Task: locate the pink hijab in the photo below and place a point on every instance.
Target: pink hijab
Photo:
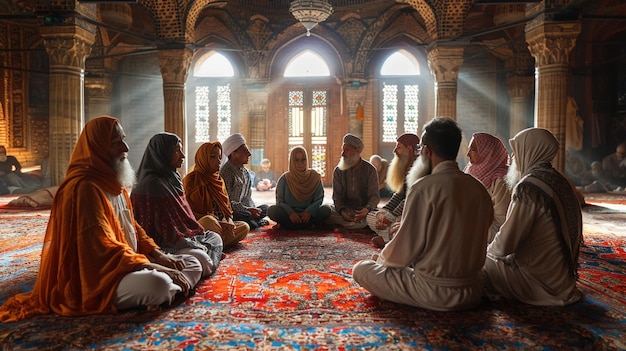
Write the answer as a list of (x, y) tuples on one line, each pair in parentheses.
[(493, 159)]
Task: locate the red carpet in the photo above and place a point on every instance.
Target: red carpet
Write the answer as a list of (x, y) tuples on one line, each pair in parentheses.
[(293, 291)]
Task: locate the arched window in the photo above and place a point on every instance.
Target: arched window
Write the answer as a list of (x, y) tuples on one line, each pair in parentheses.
[(213, 79), (307, 64), (400, 95), (308, 108)]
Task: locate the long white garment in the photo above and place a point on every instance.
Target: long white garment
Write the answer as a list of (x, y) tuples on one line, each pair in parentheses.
[(501, 198), (435, 258), (524, 260), (146, 287)]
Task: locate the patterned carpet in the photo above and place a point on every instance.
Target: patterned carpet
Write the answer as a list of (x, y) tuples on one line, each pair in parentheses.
[(293, 291)]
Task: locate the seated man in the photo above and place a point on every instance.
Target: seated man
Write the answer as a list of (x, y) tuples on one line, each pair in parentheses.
[(96, 259), (237, 180), (435, 258), (355, 186), (265, 179), (382, 221), (162, 210), (12, 178), (534, 256), (382, 166), (614, 166)]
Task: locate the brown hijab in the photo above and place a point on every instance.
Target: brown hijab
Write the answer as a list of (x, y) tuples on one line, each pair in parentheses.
[(204, 185), (302, 184)]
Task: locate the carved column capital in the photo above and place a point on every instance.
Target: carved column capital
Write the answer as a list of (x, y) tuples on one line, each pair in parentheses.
[(552, 42), (444, 62), (520, 87), (67, 46), (174, 65)]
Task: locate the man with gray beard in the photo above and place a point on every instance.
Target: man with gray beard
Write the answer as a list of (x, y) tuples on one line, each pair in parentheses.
[(534, 256), (384, 221), (435, 258), (96, 259), (355, 186)]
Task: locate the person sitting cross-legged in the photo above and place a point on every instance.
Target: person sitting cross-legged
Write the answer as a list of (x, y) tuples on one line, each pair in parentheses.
[(160, 206), (534, 256), (206, 194), (355, 186), (96, 259), (435, 259), (384, 221), (299, 195)]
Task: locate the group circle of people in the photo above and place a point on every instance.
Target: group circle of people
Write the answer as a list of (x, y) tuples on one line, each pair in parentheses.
[(504, 227)]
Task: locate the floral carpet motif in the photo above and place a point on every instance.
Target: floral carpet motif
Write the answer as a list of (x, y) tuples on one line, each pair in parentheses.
[(282, 290)]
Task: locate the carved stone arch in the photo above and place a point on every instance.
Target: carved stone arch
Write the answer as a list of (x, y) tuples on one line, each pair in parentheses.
[(233, 55), (293, 35), (368, 41), (410, 44), (320, 45), (425, 9)]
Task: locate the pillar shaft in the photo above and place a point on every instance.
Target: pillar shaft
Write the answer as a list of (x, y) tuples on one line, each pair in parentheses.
[(519, 89), (444, 62), (67, 49), (551, 43), (174, 65)]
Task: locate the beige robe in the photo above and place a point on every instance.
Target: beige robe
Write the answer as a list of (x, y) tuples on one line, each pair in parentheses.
[(500, 197), (435, 258), (524, 260)]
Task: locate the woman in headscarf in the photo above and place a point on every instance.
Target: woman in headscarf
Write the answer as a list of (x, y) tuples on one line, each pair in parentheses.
[(299, 195), (208, 198), (160, 206), (488, 162)]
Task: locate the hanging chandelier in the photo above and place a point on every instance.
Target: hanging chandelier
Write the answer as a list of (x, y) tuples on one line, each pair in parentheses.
[(310, 12)]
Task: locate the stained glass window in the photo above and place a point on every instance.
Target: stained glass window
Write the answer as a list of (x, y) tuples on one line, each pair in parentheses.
[(411, 107), (390, 113), (223, 112), (202, 115)]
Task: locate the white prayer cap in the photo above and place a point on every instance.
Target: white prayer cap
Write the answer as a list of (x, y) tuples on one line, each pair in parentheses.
[(231, 144)]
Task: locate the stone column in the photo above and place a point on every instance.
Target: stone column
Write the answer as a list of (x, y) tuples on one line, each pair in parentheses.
[(551, 43), (444, 62), (519, 88), (67, 47), (174, 65), (98, 92)]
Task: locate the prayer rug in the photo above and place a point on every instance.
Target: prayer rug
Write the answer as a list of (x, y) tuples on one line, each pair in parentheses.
[(281, 290)]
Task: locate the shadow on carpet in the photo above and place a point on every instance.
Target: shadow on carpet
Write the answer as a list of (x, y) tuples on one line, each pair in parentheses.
[(281, 290)]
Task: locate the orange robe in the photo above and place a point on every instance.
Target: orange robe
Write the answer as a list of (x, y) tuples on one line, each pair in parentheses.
[(85, 254)]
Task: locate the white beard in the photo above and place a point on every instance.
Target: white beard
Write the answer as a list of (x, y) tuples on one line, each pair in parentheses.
[(125, 172), (421, 167), (396, 174), (512, 176), (347, 163)]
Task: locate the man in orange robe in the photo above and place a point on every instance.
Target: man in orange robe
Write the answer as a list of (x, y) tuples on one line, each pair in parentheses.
[(96, 259)]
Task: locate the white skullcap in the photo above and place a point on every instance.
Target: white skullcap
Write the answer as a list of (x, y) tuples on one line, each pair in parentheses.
[(353, 140), (231, 144)]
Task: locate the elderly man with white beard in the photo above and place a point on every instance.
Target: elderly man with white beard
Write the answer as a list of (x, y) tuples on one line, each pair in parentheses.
[(435, 258), (384, 221), (534, 256), (355, 186), (96, 259)]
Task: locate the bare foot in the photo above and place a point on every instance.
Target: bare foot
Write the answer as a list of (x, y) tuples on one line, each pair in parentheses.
[(378, 241)]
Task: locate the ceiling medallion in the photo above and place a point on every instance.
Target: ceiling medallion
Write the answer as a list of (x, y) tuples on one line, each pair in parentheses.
[(310, 12)]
